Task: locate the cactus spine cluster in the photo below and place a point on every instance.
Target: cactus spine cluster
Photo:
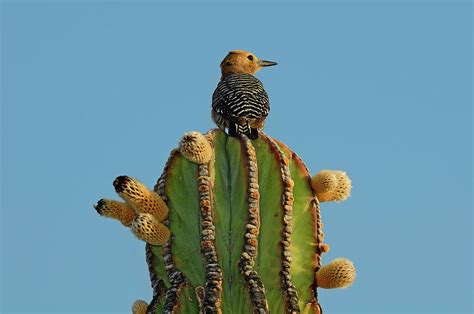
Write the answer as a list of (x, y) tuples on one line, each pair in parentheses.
[(233, 226)]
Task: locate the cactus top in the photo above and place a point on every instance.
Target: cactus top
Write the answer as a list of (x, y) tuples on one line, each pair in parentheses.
[(232, 221)]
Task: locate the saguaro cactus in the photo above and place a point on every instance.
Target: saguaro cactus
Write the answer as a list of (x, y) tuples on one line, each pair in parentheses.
[(246, 233)]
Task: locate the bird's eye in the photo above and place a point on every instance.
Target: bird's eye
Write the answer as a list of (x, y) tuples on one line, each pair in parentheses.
[(250, 57)]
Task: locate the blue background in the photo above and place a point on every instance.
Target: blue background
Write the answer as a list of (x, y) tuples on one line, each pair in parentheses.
[(96, 89)]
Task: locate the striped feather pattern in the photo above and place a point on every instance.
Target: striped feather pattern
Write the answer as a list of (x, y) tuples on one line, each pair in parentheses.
[(240, 99)]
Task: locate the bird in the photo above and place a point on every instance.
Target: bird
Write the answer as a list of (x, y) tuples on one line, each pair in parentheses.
[(240, 103)]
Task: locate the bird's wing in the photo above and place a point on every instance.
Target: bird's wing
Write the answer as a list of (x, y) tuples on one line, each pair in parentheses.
[(221, 98)]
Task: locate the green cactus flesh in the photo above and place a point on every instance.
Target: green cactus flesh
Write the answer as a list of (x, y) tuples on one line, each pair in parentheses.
[(179, 268)]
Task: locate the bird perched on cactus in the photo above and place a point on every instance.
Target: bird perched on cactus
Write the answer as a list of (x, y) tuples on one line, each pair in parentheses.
[(240, 103), (233, 225)]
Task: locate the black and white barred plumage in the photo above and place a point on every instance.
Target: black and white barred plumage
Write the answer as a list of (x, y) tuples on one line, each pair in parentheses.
[(240, 104)]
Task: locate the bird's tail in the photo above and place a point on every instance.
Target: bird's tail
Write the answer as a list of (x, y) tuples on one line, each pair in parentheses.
[(235, 129)]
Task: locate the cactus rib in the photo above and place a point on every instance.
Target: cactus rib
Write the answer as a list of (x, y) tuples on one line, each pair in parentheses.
[(157, 285), (252, 281), (317, 228), (288, 287), (175, 276), (213, 290)]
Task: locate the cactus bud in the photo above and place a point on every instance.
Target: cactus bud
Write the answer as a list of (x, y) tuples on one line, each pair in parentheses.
[(340, 273), (195, 147), (142, 200), (147, 228), (331, 186), (324, 181), (117, 210), (139, 307)]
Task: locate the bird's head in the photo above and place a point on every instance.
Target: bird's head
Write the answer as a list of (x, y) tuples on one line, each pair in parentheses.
[(241, 61)]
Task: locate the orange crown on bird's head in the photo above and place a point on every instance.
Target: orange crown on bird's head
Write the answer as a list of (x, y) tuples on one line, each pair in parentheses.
[(244, 62)]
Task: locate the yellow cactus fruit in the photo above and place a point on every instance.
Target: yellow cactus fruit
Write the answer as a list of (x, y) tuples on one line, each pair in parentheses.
[(147, 228), (117, 210), (139, 307), (340, 273), (195, 147), (140, 198), (312, 308), (324, 181), (331, 185)]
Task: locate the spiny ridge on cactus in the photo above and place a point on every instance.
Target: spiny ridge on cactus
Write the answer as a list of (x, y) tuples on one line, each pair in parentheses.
[(243, 230)]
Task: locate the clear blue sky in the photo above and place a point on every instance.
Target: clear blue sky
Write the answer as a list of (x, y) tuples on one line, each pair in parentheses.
[(96, 89)]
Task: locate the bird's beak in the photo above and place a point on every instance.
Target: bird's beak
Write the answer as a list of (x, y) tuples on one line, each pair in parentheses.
[(265, 63)]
